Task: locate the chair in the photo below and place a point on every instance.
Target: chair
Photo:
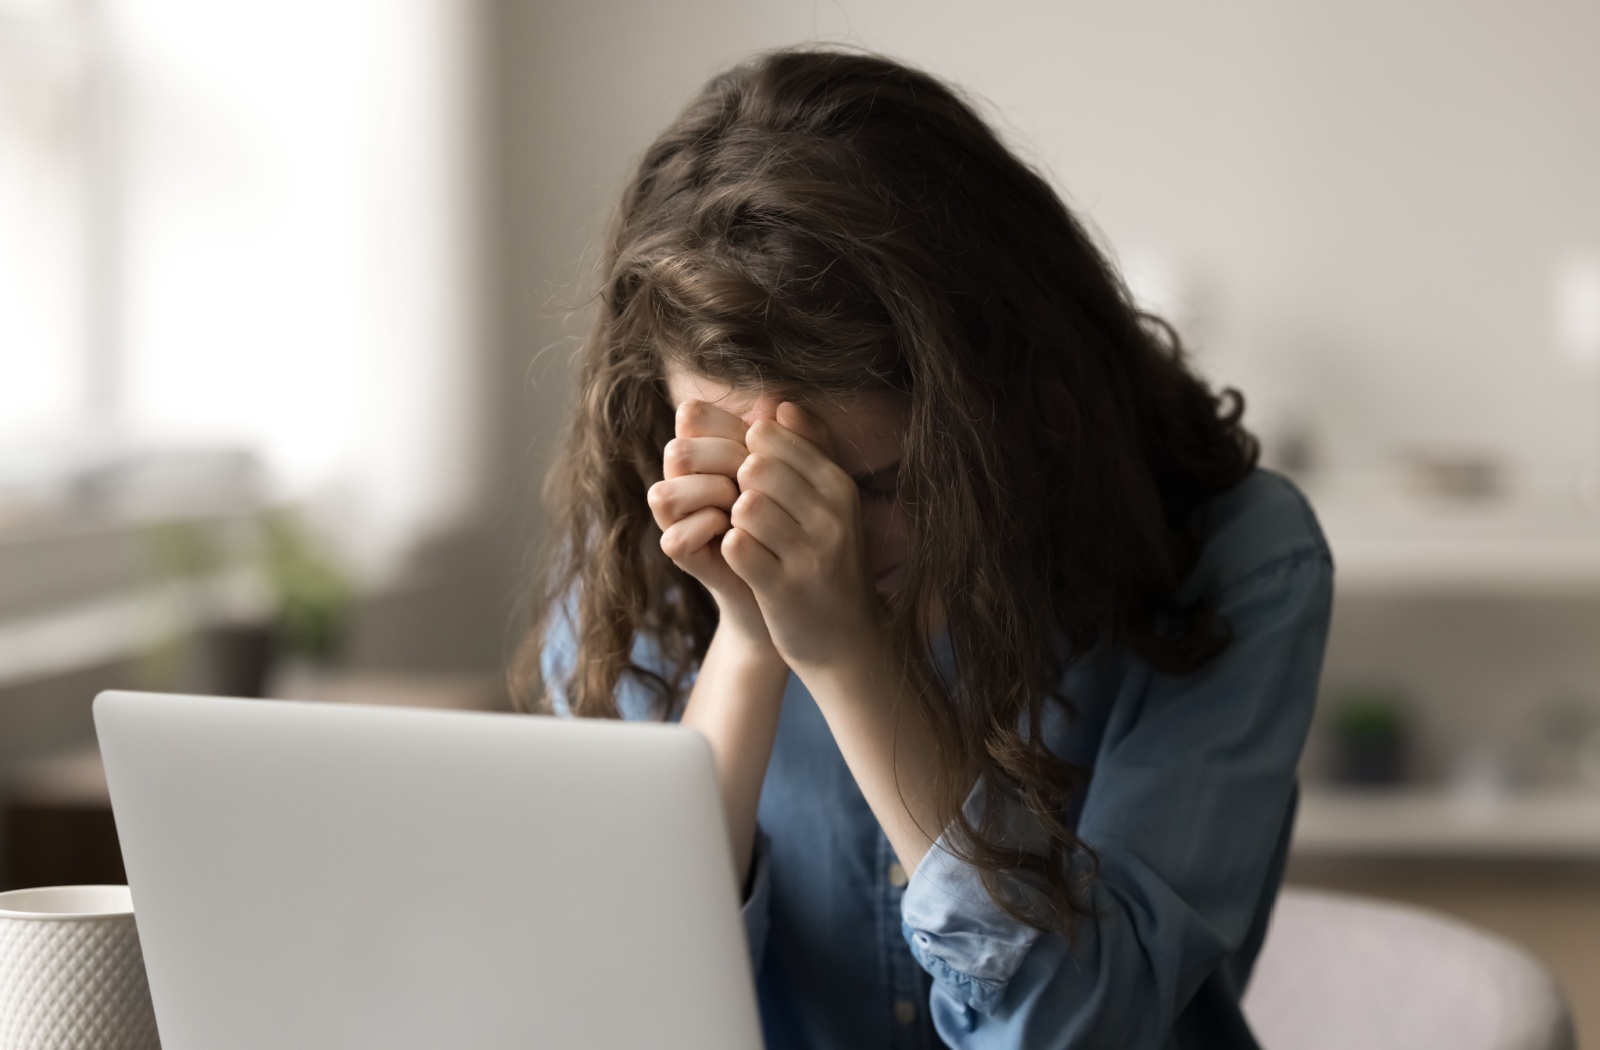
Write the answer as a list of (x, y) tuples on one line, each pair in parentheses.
[(1343, 972)]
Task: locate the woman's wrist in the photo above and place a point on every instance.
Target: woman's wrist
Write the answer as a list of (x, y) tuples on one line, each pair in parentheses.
[(877, 723), (851, 671), (742, 649), (735, 703), (742, 631)]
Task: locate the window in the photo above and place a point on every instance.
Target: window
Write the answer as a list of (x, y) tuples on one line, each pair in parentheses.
[(45, 380), (245, 228)]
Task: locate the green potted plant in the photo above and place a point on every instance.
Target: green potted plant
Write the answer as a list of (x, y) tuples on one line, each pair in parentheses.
[(183, 560), (1371, 738), (310, 597)]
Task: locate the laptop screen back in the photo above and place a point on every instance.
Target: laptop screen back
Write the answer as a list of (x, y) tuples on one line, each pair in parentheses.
[(313, 875)]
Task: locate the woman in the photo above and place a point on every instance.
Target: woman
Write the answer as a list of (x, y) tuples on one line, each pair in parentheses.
[(1005, 649)]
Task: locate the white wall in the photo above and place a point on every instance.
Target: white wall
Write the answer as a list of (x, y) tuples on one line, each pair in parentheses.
[(1363, 200)]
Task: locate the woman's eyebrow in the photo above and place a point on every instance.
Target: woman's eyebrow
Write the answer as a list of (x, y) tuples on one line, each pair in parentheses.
[(867, 477)]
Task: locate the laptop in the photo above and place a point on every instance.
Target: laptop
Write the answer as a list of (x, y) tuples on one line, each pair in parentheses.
[(318, 875)]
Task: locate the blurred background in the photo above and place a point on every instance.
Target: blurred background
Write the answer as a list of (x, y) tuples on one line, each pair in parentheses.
[(289, 293)]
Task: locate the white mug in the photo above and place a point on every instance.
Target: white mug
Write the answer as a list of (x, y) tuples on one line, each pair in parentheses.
[(71, 973)]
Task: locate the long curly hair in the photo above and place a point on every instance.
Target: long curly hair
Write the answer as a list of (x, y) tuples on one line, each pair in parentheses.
[(825, 221)]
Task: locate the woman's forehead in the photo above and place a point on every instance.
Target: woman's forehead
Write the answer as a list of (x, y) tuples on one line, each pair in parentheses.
[(684, 385), (867, 426)]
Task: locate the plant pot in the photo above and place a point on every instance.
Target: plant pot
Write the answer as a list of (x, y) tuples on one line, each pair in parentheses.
[(1370, 760), (238, 658)]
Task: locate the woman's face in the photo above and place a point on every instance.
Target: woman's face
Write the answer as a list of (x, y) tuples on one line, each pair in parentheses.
[(868, 442)]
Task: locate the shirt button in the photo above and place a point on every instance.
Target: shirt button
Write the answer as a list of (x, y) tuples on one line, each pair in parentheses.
[(897, 876), (905, 1011)]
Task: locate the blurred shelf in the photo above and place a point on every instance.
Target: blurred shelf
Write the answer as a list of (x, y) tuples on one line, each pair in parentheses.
[(1546, 823), (75, 776), (1513, 567), (1536, 540), (448, 692), (123, 625)]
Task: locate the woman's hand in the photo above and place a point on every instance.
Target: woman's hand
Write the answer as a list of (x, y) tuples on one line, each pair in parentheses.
[(692, 505), (796, 539)]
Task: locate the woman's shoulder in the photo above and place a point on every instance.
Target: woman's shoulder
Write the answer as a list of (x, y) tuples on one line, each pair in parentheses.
[(637, 701), (1257, 526)]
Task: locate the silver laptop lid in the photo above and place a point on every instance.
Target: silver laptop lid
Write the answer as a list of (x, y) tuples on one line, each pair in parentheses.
[(311, 875)]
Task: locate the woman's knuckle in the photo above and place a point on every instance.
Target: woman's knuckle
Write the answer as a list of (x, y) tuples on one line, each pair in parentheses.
[(829, 533), (701, 417), (671, 546), (761, 432)]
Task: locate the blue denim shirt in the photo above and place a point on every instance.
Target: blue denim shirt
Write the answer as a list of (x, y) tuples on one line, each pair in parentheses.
[(1189, 808)]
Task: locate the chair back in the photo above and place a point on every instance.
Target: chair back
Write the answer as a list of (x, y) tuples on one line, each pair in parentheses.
[(1339, 971)]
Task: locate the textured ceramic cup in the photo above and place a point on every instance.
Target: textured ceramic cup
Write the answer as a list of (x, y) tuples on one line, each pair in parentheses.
[(71, 974)]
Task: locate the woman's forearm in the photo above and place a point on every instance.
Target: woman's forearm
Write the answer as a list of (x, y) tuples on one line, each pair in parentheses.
[(886, 742), (735, 704)]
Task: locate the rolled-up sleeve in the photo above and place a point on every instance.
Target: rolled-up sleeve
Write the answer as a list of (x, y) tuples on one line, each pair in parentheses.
[(1188, 811)]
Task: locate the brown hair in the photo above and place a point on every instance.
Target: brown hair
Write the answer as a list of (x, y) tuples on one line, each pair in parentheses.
[(822, 221)]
